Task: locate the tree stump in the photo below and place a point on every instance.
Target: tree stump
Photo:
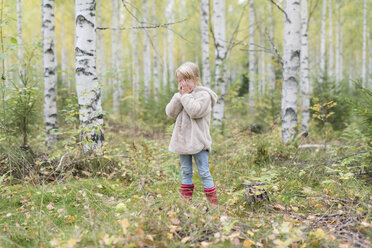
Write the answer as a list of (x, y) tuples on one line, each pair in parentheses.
[(255, 193)]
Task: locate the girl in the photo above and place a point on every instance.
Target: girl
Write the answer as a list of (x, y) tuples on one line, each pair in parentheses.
[(192, 106)]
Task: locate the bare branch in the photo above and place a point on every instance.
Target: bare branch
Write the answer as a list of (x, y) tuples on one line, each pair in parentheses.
[(282, 10), (277, 53), (144, 27), (311, 13)]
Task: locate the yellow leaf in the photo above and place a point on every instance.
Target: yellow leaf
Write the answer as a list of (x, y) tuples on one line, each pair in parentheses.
[(319, 233), (185, 239), (248, 243)]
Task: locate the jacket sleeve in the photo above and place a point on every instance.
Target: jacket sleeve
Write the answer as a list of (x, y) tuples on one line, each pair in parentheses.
[(198, 106), (174, 107)]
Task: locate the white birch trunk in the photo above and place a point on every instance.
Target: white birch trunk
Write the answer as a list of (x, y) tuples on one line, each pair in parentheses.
[(252, 65), (170, 15), (271, 68), (323, 42), (135, 57), (155, 55), (337, 33), (204, 28), (220, 40), (64, 73), (101, 67), (120, 55), (165, 65), (370, 62), (291, 57), (50, 75), (364, 63), (20, 38), (305, 79), (330, 40), (87, 87), (115, 57), (146, 51)]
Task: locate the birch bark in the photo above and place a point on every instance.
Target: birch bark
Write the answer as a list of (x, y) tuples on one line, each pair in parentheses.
[(155, 55), (271, 69), (330, 40), (204, 27), (50, 76), (364, 63), (252, 65), (135, 56), (170, 16), (165, 65), (87, 87), (337, 55), (291, 57), (304, 69), (115, 57), (220, 51), (323, 42), (146, 52)]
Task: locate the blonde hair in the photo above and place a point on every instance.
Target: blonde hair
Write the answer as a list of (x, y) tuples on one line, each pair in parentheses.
[(189, 70)]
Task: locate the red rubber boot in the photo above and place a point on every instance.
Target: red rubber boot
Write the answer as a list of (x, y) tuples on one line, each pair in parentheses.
[(187, 190), (211, 194)]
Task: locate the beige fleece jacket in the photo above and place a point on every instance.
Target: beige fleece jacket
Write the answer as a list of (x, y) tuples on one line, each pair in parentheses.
[(191, 130)]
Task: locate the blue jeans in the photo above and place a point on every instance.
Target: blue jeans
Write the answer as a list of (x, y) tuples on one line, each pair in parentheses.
[(201, 160)]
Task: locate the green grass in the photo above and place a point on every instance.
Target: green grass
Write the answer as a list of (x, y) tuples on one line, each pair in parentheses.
[(139, 204)]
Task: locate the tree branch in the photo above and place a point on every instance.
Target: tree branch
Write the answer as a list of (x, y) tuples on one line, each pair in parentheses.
[(277, 53), (282, 10), (144, 27)]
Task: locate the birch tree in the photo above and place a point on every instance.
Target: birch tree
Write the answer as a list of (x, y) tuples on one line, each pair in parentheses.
[(323, 42), (50, 76), (204, 28), (304, 69), (270, 66), (135, 56), (337, 47), (19, 31), (220, 51), (115, 56), (146, 51), (155, 54), (170, 17), (330, 40), (252, 65), (87, 87), (165, 64), (364, 63), (291, 57)]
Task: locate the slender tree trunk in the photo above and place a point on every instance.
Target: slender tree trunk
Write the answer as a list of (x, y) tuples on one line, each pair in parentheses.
[(135, 57), (323, 42), (305, 80), (364, 64), (220, 40), (171, 46), (330, 41), (291, 57), (204, 28), (155, 54), (370, 61), (146, 52), (115, 57), (271, 68), (64, 69), (165, 65), (120, 55), (337, 32), (87, 87), (50, 75), (252, 63), (101, 67), (20, 38)]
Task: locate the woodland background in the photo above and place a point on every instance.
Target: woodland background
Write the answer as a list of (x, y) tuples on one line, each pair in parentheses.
[(75, 174)]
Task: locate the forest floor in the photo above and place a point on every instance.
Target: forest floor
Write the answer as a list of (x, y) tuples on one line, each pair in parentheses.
[(317, 197)]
